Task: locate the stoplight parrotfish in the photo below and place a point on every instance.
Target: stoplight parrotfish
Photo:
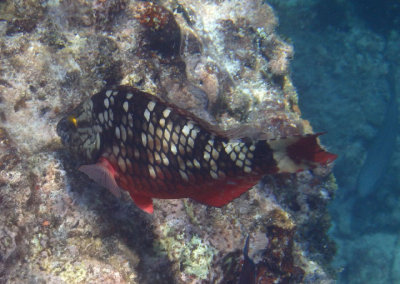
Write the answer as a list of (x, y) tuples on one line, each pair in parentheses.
[(131, 140)]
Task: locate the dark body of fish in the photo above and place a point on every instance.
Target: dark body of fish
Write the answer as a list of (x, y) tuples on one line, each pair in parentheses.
[(134, 141)]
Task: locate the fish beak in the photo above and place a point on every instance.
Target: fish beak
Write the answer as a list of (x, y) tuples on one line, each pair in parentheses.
[(64, 127)]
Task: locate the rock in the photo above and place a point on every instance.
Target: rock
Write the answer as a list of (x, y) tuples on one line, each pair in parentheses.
[(211, 58)]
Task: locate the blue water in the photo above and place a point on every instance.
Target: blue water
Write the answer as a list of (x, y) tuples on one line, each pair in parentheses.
[(346, 70)]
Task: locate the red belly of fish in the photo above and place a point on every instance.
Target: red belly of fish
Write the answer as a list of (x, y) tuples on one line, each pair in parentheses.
[(211, 192)]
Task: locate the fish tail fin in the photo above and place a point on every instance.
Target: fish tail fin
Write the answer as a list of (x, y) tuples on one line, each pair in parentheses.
[(297, 153)]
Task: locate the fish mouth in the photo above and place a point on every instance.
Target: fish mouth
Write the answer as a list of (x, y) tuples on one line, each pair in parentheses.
[(64, 127)]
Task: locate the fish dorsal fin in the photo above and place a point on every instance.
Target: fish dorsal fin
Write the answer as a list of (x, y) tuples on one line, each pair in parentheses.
[(103, 173)]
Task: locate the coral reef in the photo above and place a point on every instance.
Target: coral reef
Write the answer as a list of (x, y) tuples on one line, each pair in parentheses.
[(210, 57)]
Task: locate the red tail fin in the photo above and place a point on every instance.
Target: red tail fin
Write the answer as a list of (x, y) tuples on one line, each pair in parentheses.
[(293, 154), (307, 149)]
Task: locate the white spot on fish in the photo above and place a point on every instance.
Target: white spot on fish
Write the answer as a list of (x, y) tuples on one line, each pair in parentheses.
[(196, 163), (191, 142), (181, 163), (151, 128), (159, 132), (167, 135), (106, 102), (182, 140), (175, 137), (184, 175), (144, 139), (157, 158), (101, 117), (194, 133), (115, 150), (173, 149), (181, 149), (147, 114), (151, 105), (186, 130), (130, 120), (227, 147), (214, 175), (121, 164), (108, 93), (150, 142), (206, 156), (169, 126), (162, 122), (130, 133), (125, 105), (215, 154), (247, 169), (165, 145), (152, 172), (166, 112), (117, 133), (164, 159)]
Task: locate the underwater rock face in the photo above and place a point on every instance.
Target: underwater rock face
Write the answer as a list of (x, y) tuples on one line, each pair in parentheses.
[(220, 60)]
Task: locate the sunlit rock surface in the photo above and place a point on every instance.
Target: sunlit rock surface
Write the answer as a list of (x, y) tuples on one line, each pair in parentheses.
[(223, 61)]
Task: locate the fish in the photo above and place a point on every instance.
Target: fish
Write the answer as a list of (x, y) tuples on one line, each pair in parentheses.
[(130, 140), (248, 272)]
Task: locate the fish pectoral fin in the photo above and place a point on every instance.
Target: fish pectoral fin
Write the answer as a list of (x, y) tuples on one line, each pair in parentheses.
[(143, 202), (101, 174)]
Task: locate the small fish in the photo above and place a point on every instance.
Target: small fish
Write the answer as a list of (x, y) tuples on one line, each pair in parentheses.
[(248, 272), (131, 140)]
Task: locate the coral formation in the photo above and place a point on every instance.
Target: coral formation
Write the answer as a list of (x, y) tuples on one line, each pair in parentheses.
[(210, 58)]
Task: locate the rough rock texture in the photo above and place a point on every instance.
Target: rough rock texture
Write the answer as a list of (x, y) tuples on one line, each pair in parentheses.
[(210, 57)]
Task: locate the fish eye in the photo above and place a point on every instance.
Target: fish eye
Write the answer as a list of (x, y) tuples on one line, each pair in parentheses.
[(73, 120)]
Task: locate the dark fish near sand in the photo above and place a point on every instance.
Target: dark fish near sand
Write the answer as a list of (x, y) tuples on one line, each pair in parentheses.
[(130, 140), (248, 272)]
